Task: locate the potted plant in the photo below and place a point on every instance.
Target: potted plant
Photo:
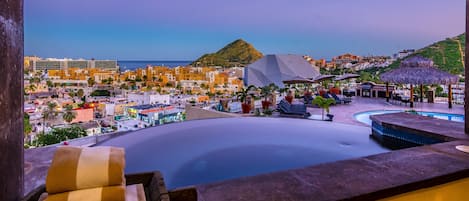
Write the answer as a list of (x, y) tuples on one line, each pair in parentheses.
[(267, 91), (242, 96), (335, 89), (324, 103)]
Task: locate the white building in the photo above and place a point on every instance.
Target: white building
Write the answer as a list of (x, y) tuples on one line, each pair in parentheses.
[(189, 84), (403, 53), (130, 125), (148, 98), (91, 128), (211, 76)]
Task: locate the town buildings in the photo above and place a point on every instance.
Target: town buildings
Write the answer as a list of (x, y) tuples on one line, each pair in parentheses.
[(36, 63)]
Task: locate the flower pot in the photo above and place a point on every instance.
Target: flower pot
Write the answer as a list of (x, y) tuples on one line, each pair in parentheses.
[(246, 108), (265, 104), (334, 91), (289, 99), (322, 92)]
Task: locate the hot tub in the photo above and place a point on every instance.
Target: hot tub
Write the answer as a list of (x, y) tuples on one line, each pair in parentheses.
[(204, 151)]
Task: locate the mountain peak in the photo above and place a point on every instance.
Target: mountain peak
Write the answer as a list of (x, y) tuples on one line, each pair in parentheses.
[(236, 53)]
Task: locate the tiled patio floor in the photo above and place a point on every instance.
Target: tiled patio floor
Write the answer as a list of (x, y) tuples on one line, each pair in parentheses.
[(344, 113)]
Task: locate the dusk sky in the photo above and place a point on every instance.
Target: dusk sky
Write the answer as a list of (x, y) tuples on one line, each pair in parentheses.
[(184, 30)]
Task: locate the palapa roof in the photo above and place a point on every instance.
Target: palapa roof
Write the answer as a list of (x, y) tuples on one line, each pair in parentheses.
[(297, 80), (347, 76), (277, 69), (323, 77), (418, 70)]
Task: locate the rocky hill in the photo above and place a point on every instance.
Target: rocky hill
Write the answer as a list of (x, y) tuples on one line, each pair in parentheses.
[(237, 53)]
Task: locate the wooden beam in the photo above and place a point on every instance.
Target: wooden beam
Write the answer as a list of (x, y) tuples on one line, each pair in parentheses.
[(450, 97), (11, 96), (411, 100), (387, 91), (466, 74), (421, 93)]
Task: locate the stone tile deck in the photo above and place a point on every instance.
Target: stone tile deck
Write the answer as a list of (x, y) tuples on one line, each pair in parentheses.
[(344, 113), (441, 129)]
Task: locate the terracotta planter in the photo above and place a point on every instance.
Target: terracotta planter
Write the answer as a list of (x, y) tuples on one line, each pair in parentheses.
[(289, 99), (334, 90), (266, 104), (246, 108)]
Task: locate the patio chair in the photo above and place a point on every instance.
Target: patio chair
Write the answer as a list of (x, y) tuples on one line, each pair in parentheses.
[(327, 95), (292, 109), (308, 99), (344, 100), (396, 98)]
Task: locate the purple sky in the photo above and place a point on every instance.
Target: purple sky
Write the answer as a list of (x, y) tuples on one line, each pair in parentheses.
[(184, 30)]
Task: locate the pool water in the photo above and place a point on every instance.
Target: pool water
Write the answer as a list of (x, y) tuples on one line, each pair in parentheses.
[(203, 151), (364, 117)]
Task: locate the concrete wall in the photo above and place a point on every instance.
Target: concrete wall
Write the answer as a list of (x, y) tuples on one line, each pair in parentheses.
[(83, 115), (11, 99), (456, 190), (195, 113)]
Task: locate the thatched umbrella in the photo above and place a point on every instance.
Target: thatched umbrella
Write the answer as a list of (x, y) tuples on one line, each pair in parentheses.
[(347, 76), (321, 78), (419, 71), (298, 80)]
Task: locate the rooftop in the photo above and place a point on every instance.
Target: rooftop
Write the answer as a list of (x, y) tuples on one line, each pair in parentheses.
[(148, 106)]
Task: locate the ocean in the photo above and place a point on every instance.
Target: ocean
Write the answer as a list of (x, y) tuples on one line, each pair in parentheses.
[(134, 64)]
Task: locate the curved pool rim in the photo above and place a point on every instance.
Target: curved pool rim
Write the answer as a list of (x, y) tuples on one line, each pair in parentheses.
[(278, 143), (423, 113)]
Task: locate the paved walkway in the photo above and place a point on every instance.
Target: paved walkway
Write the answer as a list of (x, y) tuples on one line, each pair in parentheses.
[(343, 113)]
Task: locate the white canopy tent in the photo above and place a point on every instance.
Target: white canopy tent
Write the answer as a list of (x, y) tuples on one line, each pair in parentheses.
[(277, 69)]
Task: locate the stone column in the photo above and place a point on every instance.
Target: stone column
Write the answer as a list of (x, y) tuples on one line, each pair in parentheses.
[(11, 100), (466, 74)]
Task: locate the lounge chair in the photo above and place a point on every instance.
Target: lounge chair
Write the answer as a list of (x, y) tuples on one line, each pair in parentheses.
[(292, 109), (344, 100), (308, 98), (326, 95)]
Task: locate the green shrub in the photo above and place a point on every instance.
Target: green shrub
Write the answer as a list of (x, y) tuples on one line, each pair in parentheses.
[(59, 135)]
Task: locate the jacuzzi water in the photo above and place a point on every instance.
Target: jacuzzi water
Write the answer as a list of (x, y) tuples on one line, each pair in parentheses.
[(203, 151), (364, 117)]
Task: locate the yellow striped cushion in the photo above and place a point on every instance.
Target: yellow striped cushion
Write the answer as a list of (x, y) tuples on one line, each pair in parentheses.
[(110, 193), (75, 168)]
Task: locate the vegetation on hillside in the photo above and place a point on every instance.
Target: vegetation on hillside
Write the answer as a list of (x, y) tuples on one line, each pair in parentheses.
[(237, 53), (447, 55)]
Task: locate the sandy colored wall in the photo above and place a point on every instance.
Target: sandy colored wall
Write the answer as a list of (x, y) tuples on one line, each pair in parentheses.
[(456, 190), (194, 113)]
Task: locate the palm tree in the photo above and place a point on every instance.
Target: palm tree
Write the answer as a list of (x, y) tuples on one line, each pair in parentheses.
[(69, 114), (32, 88), (50, 113), (80, 93), (91, 81), (323, 103), (35, 80), (242, 95)]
